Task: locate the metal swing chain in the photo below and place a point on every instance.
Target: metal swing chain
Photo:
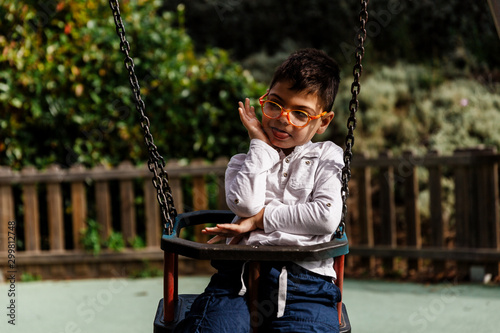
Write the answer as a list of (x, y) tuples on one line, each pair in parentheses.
[(353, 108), (156, 163)]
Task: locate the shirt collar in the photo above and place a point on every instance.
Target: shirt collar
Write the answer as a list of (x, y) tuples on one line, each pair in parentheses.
[(297, 150)]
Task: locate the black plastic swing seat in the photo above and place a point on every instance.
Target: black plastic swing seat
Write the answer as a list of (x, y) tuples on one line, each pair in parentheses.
[(203, 251), (184, 304)]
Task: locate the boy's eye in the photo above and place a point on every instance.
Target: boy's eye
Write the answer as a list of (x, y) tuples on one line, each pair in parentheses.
[(273, 106), (300, 115)]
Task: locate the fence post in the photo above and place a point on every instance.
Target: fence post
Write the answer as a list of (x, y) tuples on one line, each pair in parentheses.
[(103, 205), (6, 209), (387, 210), (55, 211), (127, 205), (176, 187), (79, 206), (463, 197), (200, 199), (436, 210), (412, 215), (488, 221), (31, 213), (221, 199), (365, 211), (152, 212)]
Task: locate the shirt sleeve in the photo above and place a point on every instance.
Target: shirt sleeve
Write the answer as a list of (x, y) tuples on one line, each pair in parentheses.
[(246, 178), (319, 216)]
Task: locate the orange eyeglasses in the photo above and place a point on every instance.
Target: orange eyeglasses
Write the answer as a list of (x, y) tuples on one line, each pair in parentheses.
[(297, 118)]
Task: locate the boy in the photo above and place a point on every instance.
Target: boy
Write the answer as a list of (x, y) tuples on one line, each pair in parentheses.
[(284, 191)]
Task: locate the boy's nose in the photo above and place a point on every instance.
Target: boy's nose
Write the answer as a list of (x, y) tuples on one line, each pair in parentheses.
[(283, 118)]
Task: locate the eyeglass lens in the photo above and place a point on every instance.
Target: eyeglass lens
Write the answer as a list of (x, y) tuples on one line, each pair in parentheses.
[(273, 110)]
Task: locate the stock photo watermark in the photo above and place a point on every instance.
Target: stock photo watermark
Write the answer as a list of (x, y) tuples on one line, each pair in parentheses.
[(11, 272), (222, 7), (88, 310), (424, 316)]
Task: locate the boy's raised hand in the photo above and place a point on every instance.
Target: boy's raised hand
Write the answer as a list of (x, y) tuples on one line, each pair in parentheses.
[(251, 123)]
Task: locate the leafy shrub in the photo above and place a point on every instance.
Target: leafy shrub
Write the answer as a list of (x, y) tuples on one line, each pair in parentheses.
[(415, 107), (148, 271), (115, 241), (90, 237), (29, 277), (93, 242), (64, 92)]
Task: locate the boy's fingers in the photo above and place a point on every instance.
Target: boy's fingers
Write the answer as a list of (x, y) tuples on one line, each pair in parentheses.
[(215, 239), (236, 239)]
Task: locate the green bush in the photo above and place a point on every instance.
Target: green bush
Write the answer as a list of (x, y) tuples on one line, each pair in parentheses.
[(414, 107), (115, 241), (64, 92), (93, 242), (90, 237)]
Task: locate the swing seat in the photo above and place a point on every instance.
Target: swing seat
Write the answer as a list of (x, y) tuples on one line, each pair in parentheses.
[(172, 308)]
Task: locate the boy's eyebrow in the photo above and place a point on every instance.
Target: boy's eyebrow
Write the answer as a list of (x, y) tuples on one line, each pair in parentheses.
[(295, 107)]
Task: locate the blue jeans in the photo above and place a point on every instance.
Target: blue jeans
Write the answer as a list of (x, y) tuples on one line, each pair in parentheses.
[(311, 302)]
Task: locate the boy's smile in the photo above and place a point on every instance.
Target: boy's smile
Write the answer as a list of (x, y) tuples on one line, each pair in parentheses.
[(284, 135)]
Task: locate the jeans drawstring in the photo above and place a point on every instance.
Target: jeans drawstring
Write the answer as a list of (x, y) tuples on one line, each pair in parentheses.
[(283, 281), (243, 289)]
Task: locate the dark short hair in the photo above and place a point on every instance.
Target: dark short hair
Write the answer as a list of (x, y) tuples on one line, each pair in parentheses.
[(312, 71)]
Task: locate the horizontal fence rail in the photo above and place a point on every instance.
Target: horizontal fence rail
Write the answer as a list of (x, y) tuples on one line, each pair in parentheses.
[(410, 213), (51, 208)]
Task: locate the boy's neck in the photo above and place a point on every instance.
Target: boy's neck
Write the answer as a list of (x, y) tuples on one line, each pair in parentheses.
[(287, 151)]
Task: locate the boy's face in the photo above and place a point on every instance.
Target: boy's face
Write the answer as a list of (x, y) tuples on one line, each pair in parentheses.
[(280, 132)]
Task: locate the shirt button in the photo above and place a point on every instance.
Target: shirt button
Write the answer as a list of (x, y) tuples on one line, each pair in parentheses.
[(285, 174), (236, 201), (287, 160), (328, 205), (308, 162)]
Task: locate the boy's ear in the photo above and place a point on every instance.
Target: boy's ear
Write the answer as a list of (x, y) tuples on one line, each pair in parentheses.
[(325, 121)]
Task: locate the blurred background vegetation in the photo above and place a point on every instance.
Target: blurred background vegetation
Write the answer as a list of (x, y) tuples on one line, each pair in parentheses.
[(430, 81)]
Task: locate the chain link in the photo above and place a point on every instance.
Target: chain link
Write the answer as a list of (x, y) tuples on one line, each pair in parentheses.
[(156, 163), (353, 108)]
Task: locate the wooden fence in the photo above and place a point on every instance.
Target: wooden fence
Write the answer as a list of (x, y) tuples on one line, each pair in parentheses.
[(449, 219), (51, 207), (457, 229)]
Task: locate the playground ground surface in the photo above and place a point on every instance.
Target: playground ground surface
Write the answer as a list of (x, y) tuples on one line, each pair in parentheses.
[(129, 305)]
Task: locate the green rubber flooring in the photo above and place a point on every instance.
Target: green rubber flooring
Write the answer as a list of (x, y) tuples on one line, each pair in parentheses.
[(126, 305)]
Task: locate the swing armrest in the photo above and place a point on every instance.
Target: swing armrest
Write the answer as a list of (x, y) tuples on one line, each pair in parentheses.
[(173, 244)]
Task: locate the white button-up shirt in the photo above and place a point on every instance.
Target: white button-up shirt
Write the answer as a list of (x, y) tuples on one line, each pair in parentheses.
[(300, 193)]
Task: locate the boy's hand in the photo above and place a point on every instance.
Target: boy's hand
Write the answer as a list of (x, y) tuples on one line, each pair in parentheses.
[(235, 230), (251, 123)]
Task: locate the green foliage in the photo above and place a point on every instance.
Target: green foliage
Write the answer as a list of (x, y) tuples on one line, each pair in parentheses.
[(91, 239), (147, 272), (93, 242), (416, 107), (138, 243), (65, 97), (28, 277), (115, 241), (64, 92)]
